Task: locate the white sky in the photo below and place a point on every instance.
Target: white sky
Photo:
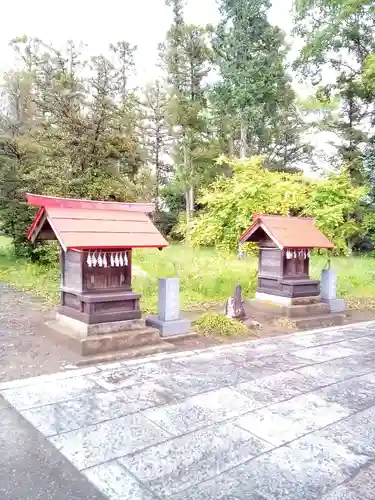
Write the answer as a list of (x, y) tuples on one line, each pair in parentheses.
[(141, 22)]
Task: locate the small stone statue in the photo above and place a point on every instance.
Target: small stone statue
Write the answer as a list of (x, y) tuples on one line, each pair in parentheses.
[(234, 307)]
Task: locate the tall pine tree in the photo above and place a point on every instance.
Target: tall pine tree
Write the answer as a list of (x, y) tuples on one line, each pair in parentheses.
[(250, 54), (186, 57), (156, 132)]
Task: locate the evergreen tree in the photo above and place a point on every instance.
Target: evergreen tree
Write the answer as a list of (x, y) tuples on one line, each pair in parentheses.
[(65, 131), (186, 57), (157, 137), (250, 55)]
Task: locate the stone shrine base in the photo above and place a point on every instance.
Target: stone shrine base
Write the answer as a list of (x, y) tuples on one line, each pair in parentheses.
[(286, 301), (84, 329), (335, 305), (305, 312), (169, 328), (107, 341)]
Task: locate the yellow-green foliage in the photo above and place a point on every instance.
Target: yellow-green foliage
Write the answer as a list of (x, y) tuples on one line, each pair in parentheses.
[(217, 324), (333, 202), (230, 202)]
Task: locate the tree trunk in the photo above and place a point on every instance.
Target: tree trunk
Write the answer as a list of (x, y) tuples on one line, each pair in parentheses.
[(244, 144), (187, 210), (191, 198), (187, 191), (231, 146), (350, 246), (157, 176)]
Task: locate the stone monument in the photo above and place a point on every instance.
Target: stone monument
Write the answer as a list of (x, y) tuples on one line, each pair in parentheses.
[(234, 308), (168, 322), (328, 290)]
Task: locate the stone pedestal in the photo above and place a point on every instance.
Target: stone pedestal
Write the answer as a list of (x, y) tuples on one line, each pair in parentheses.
[(168, 322), (328, 291), (82, 329), (104, 342)]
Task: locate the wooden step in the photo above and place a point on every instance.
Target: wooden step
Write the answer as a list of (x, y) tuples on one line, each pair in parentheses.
[(133, 352)]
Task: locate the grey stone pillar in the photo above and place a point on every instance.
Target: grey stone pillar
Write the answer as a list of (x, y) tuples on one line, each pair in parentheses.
[(168, 320), (328, 291)]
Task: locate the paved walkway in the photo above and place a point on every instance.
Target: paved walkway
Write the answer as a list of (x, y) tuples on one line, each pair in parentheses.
[(284, 418)]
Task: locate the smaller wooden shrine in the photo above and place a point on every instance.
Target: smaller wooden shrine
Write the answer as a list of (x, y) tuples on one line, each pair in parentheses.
[(96, 240), (284, 255)]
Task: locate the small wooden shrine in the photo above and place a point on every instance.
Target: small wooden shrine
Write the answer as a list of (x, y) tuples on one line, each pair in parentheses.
[(284, 255), (96, 240)]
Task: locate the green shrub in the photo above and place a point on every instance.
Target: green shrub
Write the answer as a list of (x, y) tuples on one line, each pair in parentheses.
[(220, 325), (229, 203)]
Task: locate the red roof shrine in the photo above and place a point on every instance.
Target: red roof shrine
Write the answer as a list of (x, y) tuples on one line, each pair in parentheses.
[(287, 232), (87, 224)]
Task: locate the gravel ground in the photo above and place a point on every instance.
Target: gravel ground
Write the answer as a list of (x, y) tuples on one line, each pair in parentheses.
[(25, 349)]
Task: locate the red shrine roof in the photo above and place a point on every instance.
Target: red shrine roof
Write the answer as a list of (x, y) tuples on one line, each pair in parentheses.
[(86, 224), (287, 232)]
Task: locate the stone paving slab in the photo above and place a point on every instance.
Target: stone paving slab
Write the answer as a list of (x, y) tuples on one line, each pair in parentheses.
[(361, 344), (356, 432), (200, 411), (364, 483), (95, 408), (117, 483), (325, 353), (275, 388), (355, 394), (291, 419), (222, 487), (342, 493), (187, 460), (303, 469), (286, 418), (330, 372), (114, 438), (50, 392)]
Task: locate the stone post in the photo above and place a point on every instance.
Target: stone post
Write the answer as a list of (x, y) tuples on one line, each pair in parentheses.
[(168, 322), (328, 291)]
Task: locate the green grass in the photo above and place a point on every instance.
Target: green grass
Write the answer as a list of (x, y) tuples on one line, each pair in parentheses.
[(207, 276), (40, 280), (355, 278)]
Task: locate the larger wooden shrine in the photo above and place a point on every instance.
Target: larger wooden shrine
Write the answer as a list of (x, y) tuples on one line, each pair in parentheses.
[(96, 240), (285, 244)]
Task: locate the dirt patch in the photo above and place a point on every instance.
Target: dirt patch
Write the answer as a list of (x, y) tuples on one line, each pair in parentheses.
[(358, 315), (25, 348)]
